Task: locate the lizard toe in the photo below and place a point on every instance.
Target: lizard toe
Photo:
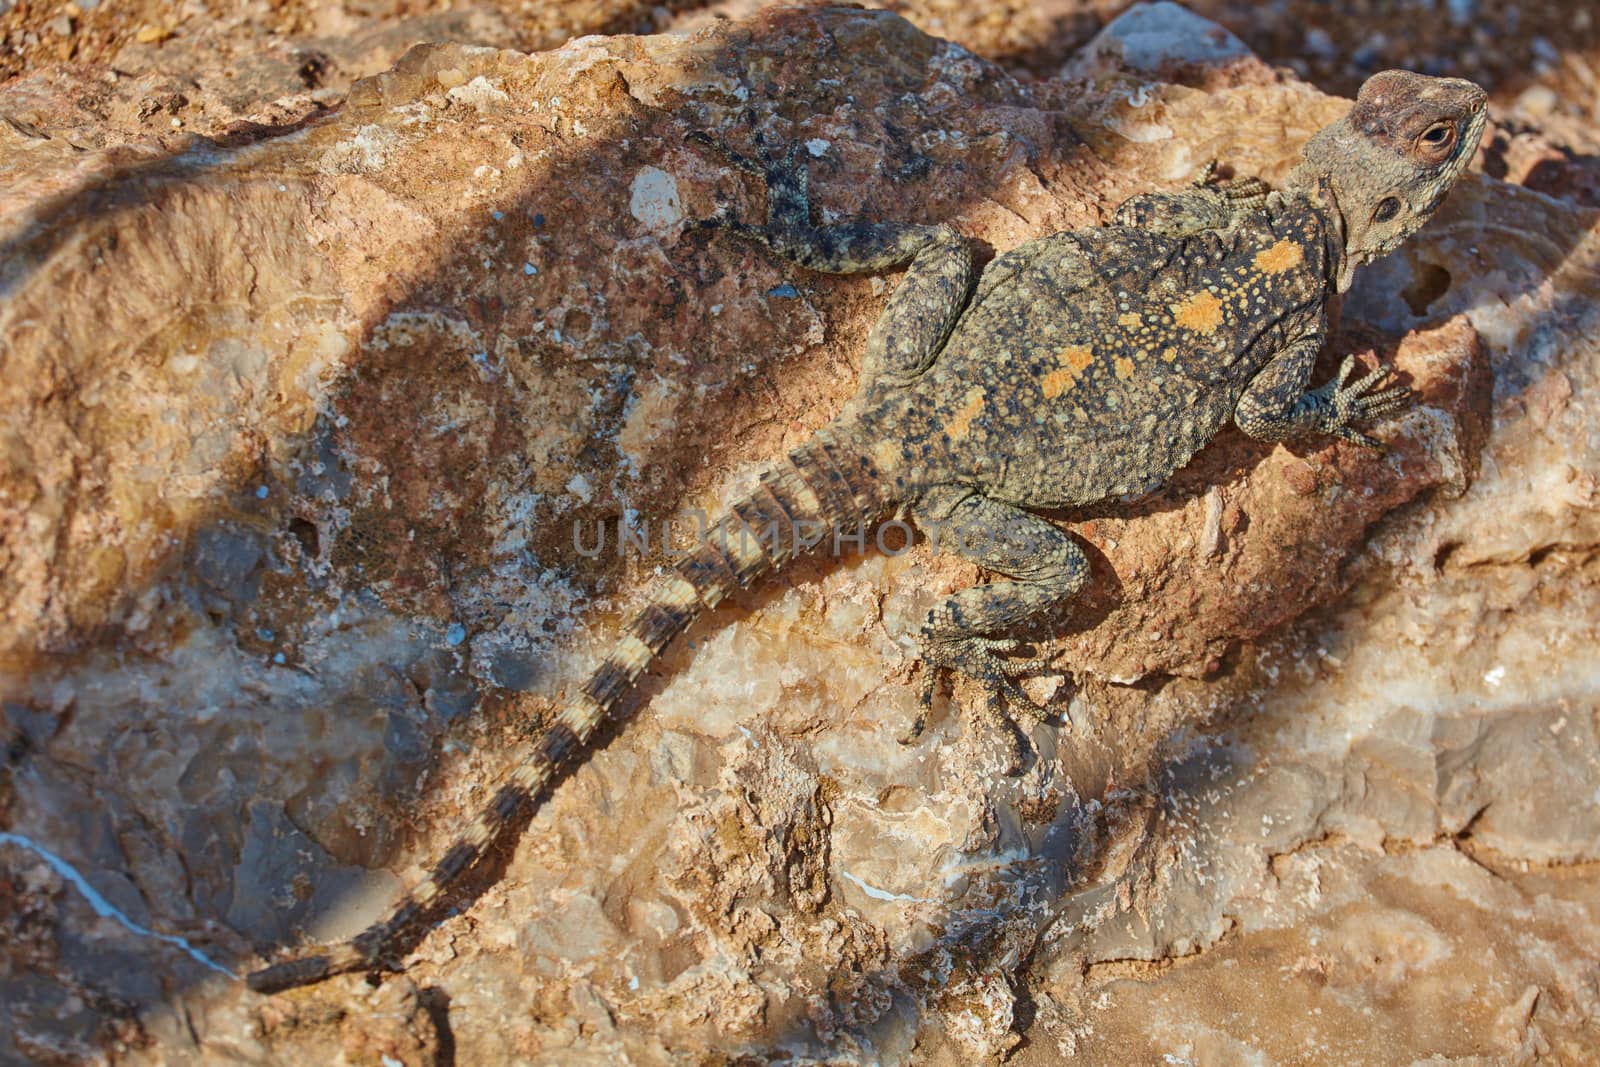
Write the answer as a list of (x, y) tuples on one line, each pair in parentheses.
[(975, 656), (1356, 437)]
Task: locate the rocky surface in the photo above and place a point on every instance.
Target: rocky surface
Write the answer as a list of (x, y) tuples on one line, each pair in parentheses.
[(1538, 58), (299, 422)]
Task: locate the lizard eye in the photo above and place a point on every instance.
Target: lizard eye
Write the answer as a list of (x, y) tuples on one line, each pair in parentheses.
[(1436, 141), (1387, 209)]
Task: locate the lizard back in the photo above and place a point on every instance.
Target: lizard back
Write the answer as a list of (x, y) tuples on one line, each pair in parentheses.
[(1123, 353)]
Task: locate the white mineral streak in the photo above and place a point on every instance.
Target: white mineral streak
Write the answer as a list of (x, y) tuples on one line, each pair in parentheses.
[(103, 907)]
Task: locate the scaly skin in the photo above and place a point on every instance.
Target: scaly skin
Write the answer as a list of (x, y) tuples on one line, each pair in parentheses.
[(1079, 367)]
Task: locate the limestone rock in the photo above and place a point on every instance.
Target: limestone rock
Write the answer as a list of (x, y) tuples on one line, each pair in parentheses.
[(1159, 37), (307, 434)]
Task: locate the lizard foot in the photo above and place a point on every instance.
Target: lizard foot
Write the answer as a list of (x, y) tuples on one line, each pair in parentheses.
[(983, 659), (1365, 400)]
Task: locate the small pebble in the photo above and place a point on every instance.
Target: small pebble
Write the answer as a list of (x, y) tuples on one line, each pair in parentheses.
[(1537, 101), (1301, 478)]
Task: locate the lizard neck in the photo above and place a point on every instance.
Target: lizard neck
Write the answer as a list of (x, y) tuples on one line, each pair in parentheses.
[(1319, 191)]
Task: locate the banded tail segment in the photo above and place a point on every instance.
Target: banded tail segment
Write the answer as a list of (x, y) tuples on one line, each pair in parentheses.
[(820, 487)]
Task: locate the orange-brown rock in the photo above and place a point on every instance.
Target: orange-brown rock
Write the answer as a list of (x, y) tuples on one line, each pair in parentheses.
[(296, 428)]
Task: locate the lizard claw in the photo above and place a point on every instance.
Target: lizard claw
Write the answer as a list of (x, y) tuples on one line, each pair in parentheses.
[(1365, 400), (983, 659)]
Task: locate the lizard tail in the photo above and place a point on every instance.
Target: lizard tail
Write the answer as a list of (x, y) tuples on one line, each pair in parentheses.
[(819, 488)]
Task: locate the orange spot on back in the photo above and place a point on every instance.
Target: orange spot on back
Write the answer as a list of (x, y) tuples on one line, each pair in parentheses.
[(1200, 312), (961, 423), (1056, 382), (1130, 318), (887, 455), (1124, 367), (1074, 359), (1282, 256)]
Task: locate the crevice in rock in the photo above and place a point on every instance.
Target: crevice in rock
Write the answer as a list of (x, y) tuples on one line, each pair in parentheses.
[(1429, 284)]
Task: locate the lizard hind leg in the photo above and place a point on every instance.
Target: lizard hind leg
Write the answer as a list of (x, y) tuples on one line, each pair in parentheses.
[(969, 632)]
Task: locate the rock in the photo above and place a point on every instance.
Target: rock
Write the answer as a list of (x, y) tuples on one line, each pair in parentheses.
[(1159, 37), (320, 468), (221, 74), (1363, 797)]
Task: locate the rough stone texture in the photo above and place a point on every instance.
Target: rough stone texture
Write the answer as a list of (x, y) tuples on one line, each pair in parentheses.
[(214, 83), (297, 425)]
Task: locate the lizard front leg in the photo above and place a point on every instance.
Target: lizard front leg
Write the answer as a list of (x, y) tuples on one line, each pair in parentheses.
[(1277, 405), (969, 632), (924, 306)]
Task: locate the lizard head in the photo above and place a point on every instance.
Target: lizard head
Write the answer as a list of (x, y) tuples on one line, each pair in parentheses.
[(1386, 166)]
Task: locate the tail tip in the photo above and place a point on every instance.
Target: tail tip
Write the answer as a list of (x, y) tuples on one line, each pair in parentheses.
[(289, 974)]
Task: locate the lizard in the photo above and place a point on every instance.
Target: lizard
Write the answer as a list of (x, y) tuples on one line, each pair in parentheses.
[(1083, 366)]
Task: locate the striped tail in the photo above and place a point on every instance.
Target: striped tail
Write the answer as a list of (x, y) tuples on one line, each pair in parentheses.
[(821, 487)]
